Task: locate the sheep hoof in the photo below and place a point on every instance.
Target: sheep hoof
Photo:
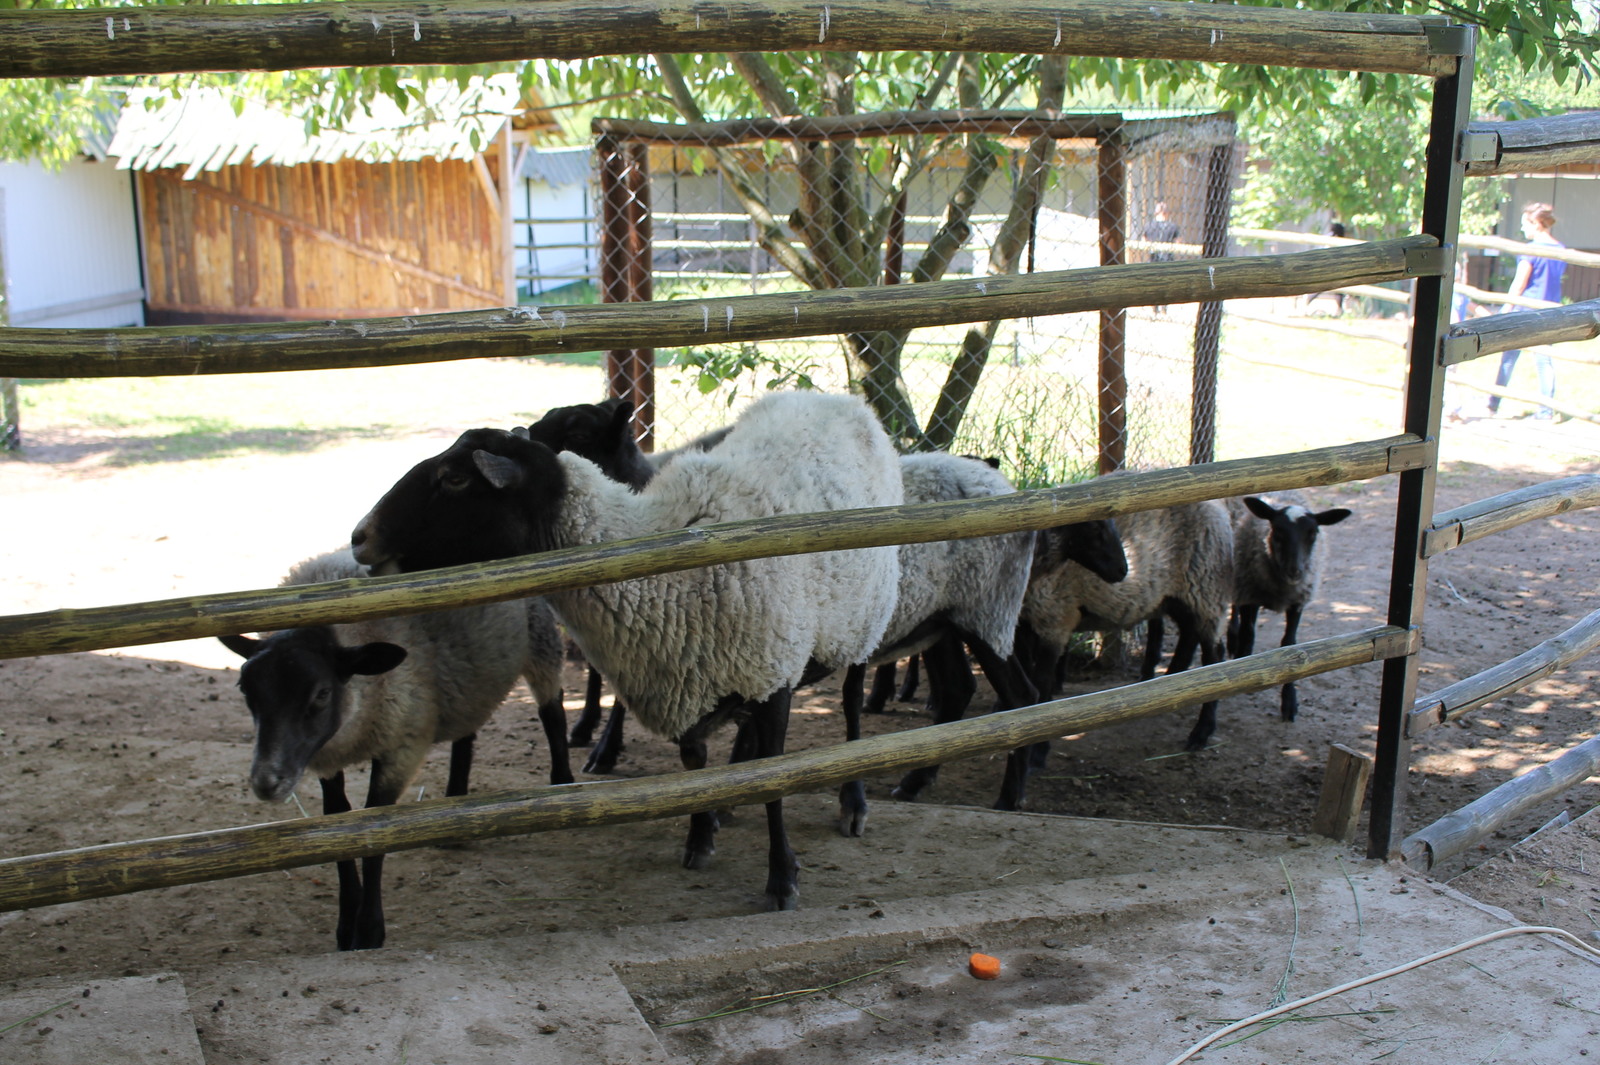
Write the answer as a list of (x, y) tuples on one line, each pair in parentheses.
[(788, 900), (600, 762), (852, 823), (905, 794), (693, 859)]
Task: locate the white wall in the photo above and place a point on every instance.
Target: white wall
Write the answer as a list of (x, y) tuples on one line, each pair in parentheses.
[(540, 266), (71, 249)]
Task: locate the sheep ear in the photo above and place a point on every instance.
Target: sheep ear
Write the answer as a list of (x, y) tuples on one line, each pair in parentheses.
[(1260, 507), (520, 432), (243, 646), (1332, 517), (498, 470), (621, 426), (370, 659)]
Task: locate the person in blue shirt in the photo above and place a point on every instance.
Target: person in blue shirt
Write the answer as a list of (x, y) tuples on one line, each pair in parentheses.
[(1537, 278)]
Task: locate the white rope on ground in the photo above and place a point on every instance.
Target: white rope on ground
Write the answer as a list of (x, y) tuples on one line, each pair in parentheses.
[(1416, 963)]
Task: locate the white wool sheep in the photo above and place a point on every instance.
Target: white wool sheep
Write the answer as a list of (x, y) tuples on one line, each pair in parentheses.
[(1278, 562), (683, 650), (384, 691), (1180, 564)]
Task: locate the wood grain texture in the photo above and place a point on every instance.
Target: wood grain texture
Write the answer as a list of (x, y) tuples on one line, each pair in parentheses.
[(531, 331), (158, 40), (120, 868), (62, 631)]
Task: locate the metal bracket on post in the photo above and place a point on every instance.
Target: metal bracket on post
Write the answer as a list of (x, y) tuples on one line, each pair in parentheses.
[(1414, 456), (1448, 40), (1459, 347), (1429, 262), (1478, 146), (1397, 644), (1438, 541)]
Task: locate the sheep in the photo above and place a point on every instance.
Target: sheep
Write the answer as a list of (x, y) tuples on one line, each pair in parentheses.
[(1278, 561), (684, 650), (326, 697), (968, 591), (603, 434), (1180, 564)]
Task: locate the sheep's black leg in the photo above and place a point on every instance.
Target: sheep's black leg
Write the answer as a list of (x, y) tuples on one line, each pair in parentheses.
[(1183, 650), (702, 841), (951, 686), (771, 717), (553, 717), (603, 758), (1155, 632), (460, 765), (1244, 643), (882, 685), (853, 793), (334, 801), (1012, 689), (583, 731), (1210, 651), (382, 790), (1290, 704), (908, 689)]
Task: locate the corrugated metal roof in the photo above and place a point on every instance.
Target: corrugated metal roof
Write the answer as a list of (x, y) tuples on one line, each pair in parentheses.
[(556, 166), (200, 131)]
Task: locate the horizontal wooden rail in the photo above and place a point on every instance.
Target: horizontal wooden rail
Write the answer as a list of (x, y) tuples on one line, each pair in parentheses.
[(1515, 330), (849, 127), (1531, 143), (527, 331), (1572, 256), (167, 40), (1496, 514), (120, 868), (61, 631), (1456, 700), (1455, 832)]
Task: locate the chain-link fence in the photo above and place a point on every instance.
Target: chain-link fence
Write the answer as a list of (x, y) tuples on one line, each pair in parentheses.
[(759, 206)]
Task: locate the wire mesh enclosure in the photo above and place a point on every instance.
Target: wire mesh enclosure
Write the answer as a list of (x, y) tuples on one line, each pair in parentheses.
[(701, 211)]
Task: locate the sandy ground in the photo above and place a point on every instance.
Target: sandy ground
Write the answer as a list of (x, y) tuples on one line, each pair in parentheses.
[(151, 741)]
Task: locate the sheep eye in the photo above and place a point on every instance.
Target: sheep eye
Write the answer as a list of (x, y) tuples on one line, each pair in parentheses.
[(322, 696), (455, 482)]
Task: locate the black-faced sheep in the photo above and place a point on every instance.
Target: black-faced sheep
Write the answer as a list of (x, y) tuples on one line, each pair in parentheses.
[(384, 691), (967, 592), (1180, 564), (1278, 562), (603, 434), (685, 650)]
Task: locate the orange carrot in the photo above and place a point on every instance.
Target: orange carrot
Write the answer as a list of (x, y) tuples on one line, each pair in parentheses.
[(984, 966)]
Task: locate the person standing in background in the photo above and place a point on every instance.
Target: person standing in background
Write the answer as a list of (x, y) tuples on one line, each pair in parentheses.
[(1537, 278), (1161, 230)]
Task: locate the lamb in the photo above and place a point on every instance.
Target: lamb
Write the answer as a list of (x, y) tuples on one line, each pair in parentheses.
[(970, 591), (603, 434), (1278, 561), (1180, 564), (685, 650), (326, 697)]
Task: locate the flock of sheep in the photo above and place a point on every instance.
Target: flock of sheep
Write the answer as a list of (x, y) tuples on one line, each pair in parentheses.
[(690, 651)]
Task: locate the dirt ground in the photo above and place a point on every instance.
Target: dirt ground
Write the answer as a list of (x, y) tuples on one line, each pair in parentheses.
[(152, 741)]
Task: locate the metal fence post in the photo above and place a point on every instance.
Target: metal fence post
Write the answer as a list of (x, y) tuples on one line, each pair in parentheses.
[(1441, 215)]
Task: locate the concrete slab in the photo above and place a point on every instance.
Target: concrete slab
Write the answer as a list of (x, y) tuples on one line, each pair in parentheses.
[(134, 1021)]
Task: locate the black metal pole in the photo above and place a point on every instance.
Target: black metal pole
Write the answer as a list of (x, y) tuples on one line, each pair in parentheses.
[(1430, 306)]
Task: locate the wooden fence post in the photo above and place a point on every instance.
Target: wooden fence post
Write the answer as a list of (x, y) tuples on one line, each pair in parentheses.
[(1344, 786)]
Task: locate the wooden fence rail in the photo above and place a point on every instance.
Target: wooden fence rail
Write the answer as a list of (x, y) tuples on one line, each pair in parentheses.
[(1485, 517), (531, 331), (165, 40), (1477, 337), (120, 868), (61, 631), (1464, 696), (1455, 832), (1531, 144)]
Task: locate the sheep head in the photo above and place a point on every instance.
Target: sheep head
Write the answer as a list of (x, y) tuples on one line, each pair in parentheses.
[(296, 684), (1292, 533), (601, 433), (490, 495)]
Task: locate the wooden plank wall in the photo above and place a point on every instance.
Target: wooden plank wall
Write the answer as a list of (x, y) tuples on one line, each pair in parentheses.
[(319, 240)]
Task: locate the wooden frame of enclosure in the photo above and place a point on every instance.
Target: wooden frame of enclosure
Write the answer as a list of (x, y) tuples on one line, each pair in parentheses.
[(173, 39), (626, 247)]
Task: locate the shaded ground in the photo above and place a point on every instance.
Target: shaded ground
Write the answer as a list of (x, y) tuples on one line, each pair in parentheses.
[(153, 741)]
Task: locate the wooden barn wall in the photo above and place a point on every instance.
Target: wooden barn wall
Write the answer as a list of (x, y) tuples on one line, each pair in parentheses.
[(319, 240)]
